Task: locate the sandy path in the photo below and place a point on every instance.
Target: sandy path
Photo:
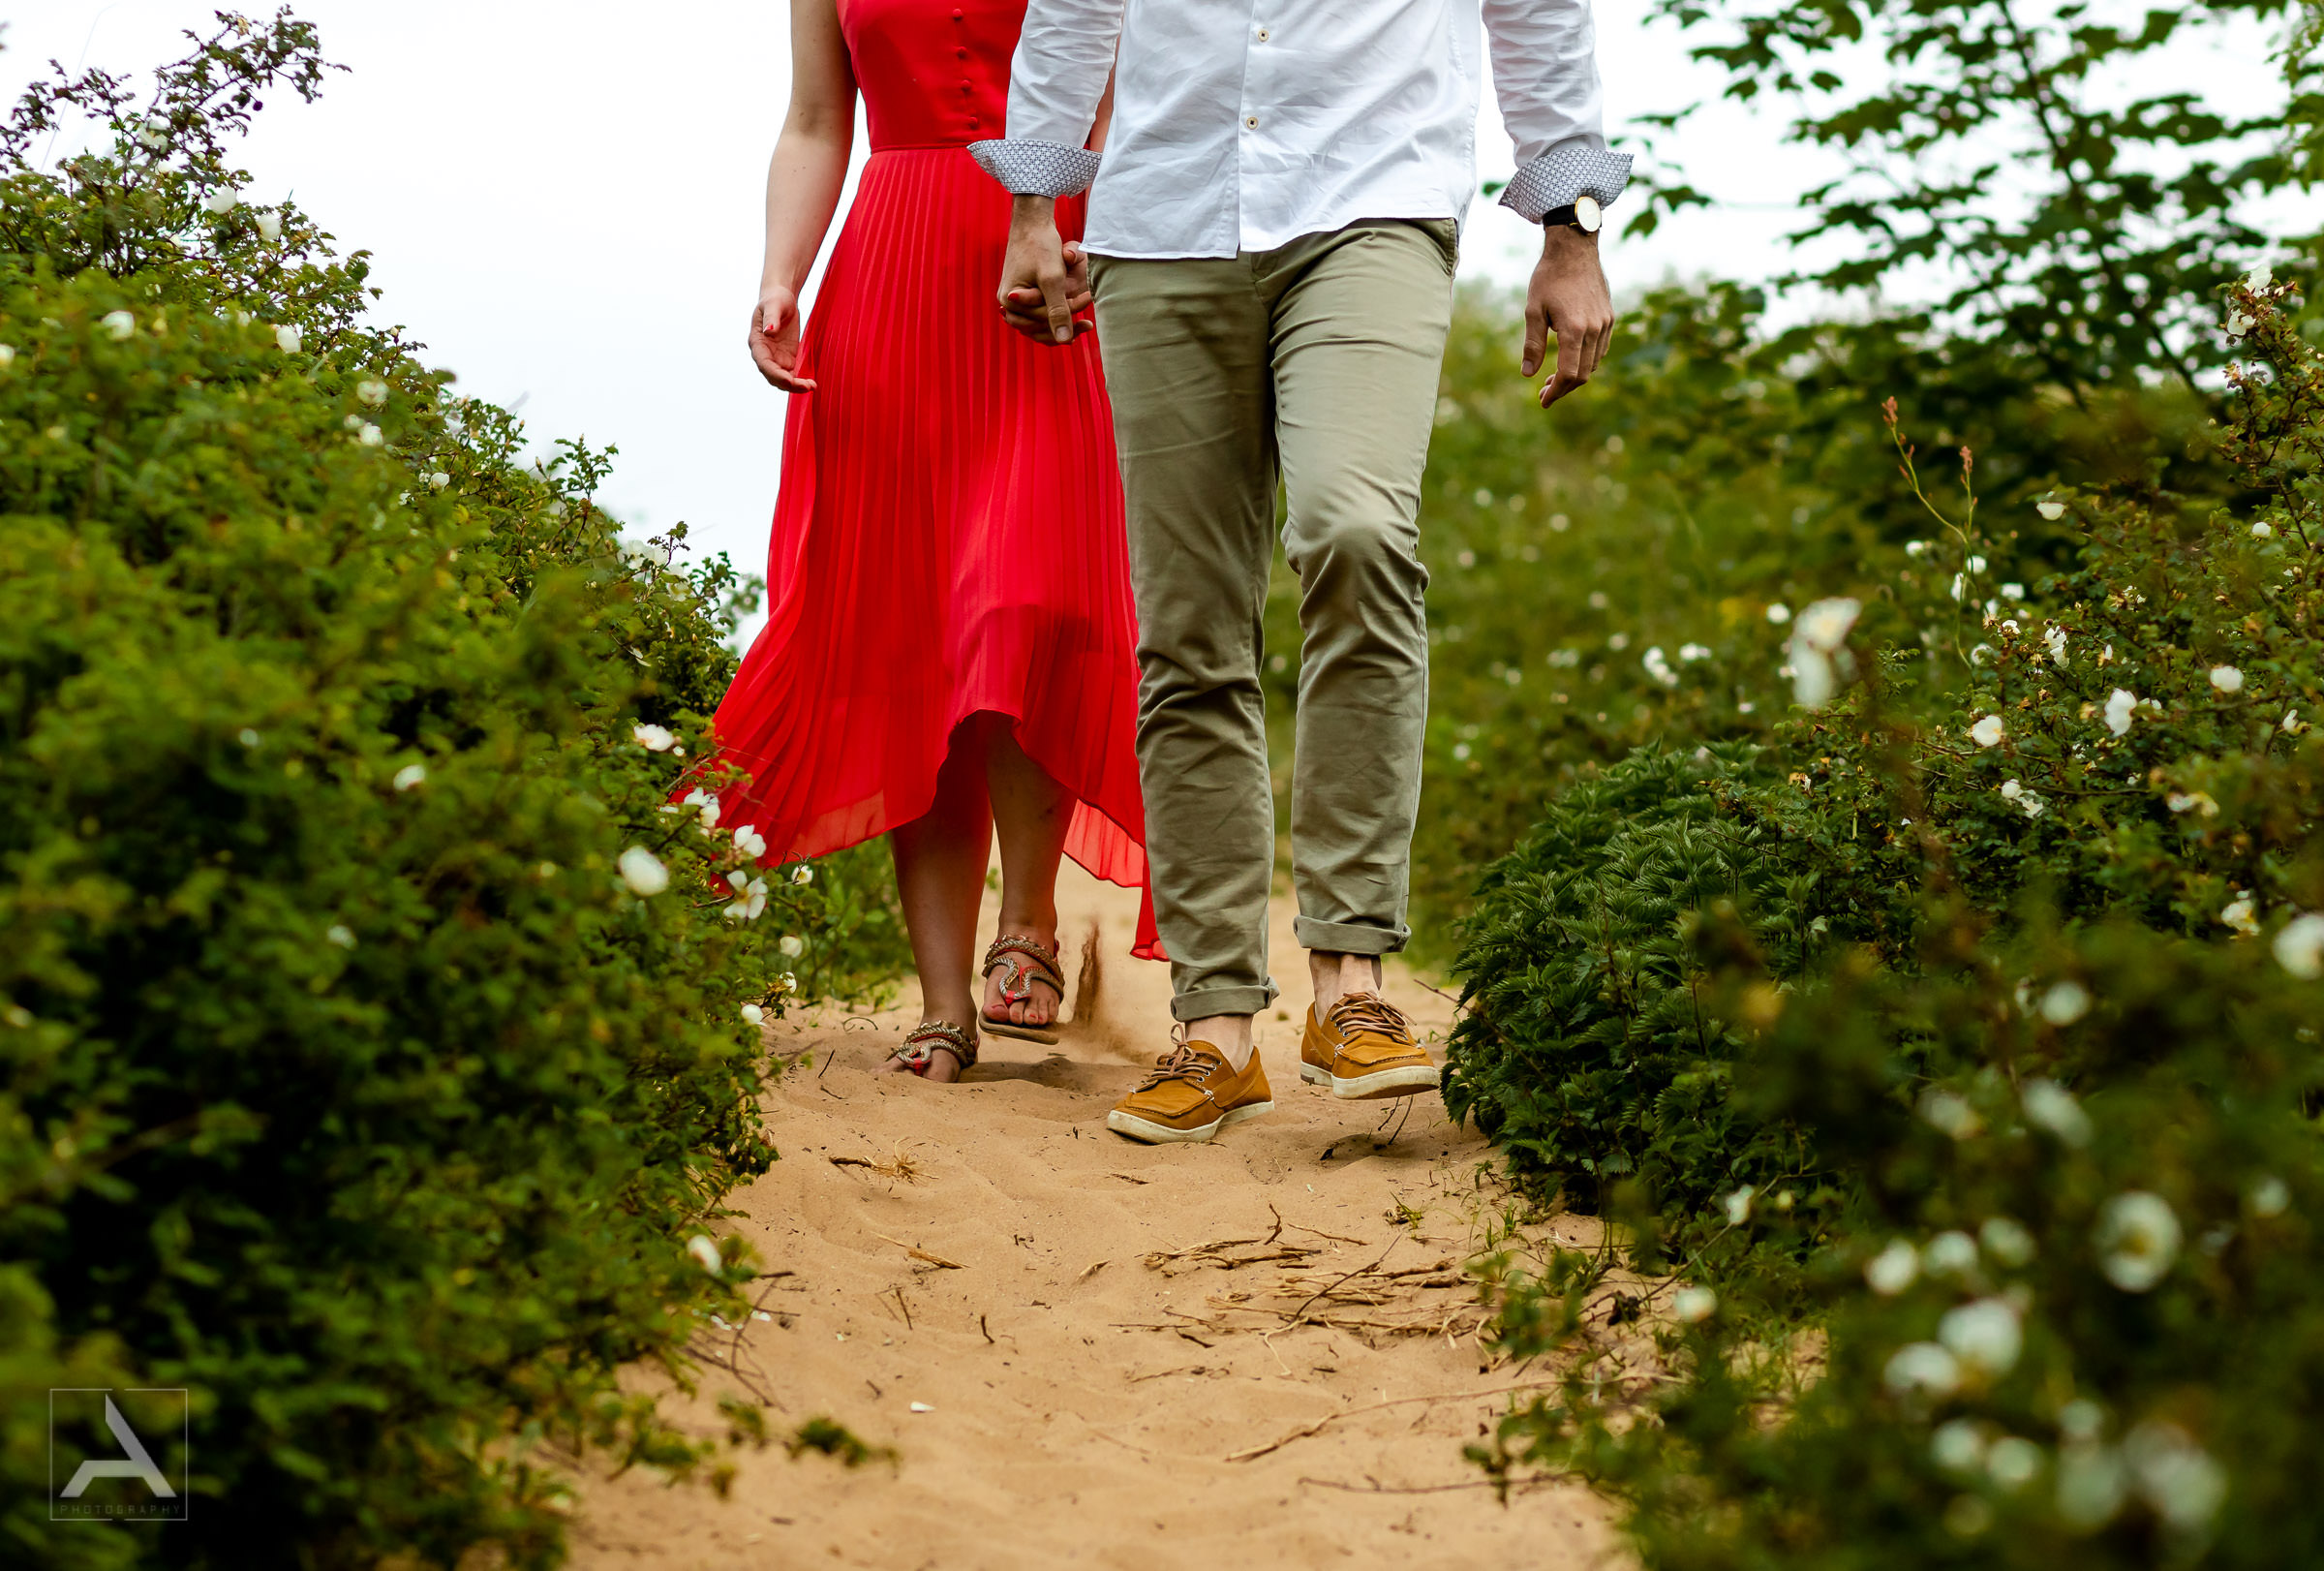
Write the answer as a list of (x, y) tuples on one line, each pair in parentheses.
[(1081, 1403)]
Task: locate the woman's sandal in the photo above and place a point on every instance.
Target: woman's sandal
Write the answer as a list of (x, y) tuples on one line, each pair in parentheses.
[(929, 1038), (1027, 961)]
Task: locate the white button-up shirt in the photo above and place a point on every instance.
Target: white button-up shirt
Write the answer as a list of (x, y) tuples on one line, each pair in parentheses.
[(1245, 124)]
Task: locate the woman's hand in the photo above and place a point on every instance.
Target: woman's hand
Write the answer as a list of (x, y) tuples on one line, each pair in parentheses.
[(775, 341)]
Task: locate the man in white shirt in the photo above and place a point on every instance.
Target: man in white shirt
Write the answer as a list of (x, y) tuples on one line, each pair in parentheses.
[(1273, 228)]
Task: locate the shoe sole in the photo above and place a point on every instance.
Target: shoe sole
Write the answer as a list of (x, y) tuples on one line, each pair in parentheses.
[(1373, 1088), (1045, 1035), (1155, 1134)]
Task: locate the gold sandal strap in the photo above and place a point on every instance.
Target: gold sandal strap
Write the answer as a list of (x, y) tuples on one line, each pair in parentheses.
[(934, 1035), (1032, 959)]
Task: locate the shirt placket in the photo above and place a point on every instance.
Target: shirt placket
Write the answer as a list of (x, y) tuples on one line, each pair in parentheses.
[(1252, 120)]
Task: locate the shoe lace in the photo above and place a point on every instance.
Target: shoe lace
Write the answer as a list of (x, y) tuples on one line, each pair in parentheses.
[(1181, 1062), (1369, 1011)]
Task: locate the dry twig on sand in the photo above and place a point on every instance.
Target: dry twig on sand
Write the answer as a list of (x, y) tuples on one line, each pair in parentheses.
[(902, 1167), (936, 1260), (1328, 1419)]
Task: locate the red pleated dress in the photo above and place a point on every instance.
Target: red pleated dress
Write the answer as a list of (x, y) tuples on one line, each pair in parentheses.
[(948, 536)]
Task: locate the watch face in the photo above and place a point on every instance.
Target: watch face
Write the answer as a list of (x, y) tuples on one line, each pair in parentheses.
[(1587, 214)]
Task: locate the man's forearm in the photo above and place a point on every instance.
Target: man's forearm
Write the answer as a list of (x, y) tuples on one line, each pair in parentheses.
[(1064, 59)]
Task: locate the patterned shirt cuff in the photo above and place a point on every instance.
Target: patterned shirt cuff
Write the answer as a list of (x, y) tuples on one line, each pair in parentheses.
[(1565, 171), (1037, 168)]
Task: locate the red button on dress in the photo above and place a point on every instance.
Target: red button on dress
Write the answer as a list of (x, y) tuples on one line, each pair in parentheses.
[(948, 534)]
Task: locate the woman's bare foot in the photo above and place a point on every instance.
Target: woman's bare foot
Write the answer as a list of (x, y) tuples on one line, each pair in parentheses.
[(929, 1055), (1045, 1001)]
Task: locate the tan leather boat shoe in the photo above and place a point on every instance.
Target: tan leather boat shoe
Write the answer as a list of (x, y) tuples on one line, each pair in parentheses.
[(1362, 1050), (1191, 1095)]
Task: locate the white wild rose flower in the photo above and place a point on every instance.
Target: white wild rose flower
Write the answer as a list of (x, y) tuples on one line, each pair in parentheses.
[(1951, 1254), (370, 435), (1692, 1305), (1987, 732), (2090, 1486), (1738, 1206), (753, 1014), (341, 935), (752, 898), (2227, 679), (2262, 530), (1779, 613), (2051, 1106), (802, 873), (1950, 1113), (1824, 624), (642, 871), (705, 1251), (2051, 511), (2013, 592), (2012, 1462), (438, 479), (1923, 1369), (1958, 1445), (1985, 1336), (2006, 1240), (749, 843), (371, 391), (2300, 946), (654, 738), (221, 202), (1812, 677), (410, 775), (1691, 653), (1976, 563), (1893, 1269), (2175, 1476), (791, 945), (2121, 704), (2138, 1238), (2055, 637), (118, 325), (270, 226), (287, 339), (2064, 1002), (2242, 914)]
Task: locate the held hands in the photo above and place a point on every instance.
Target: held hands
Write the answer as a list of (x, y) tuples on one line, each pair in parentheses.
[(1568, 297), (774, 340), (1044, 282)]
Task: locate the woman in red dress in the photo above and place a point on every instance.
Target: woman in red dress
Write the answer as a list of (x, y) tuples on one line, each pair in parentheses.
[(949, 649)]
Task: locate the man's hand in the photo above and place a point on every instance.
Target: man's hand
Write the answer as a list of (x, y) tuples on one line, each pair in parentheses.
[(775, 341), (1043, 283), (1568, 297)]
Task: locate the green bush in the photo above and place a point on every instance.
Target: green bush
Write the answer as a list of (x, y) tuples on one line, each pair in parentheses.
[(2048, 1081), (373, 1030)]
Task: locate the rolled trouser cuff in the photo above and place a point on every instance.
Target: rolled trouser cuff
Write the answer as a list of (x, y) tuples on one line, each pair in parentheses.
[(1347, 938), (1205, 1002)]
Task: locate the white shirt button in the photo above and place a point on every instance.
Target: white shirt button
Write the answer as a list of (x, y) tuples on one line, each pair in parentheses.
[(1263, 35), (1251, 122)]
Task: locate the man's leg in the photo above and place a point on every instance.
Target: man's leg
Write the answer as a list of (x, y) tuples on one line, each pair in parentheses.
[(1185, 344), (1359, 322)]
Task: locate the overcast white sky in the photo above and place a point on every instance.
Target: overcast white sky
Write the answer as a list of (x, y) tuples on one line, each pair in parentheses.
[(563, 202)]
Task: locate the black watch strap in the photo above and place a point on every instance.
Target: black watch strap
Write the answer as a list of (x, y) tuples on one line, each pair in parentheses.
[(1572, 216)]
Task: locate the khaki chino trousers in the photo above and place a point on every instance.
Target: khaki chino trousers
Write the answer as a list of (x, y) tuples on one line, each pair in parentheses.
[(1316, 362)]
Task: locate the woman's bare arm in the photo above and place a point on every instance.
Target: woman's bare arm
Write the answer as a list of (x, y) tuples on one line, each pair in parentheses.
[(803, 184)]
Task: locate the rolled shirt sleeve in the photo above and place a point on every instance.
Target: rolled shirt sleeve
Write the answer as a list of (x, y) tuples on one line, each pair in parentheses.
[(1545, 75), (1064, 54)]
